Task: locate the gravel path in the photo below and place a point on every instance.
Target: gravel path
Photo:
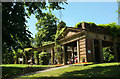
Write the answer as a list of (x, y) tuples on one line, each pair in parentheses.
[(44, 70)]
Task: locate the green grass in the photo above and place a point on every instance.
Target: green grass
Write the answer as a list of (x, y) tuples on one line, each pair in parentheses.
[(12, 70), (24, 65), (96, 71), (88, 63)]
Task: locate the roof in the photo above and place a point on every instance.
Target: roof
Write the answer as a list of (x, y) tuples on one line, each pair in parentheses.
[(66, 30), (95, 28)]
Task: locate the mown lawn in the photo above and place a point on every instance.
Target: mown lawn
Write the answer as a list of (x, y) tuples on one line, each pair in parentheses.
[(96, 71), (13, 70)]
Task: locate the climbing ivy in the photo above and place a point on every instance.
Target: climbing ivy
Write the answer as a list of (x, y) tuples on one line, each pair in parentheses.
[(60, 28), (113, 28), (80, 23)]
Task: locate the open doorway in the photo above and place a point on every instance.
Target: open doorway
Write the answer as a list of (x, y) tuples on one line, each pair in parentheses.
[(71, 55), (97, 52)]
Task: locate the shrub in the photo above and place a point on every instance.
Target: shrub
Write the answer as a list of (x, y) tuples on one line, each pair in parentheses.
[(107, 52), (36, 57), (43, 58)]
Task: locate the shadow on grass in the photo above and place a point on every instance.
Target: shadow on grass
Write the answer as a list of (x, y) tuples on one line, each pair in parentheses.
[(12, 72), (98, 72), (95, 72)]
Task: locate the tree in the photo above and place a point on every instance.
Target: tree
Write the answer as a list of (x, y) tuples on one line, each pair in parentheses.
[(36, 57), (43, 58), (46, 27), (60, 27), (14, 30)]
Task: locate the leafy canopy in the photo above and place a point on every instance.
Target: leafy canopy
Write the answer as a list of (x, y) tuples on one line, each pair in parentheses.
[(14, 31)]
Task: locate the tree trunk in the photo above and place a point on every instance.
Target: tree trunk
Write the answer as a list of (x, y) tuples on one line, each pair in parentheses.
[(15, 60)]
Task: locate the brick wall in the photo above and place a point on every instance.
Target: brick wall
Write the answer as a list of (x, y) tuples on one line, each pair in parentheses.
[(82, 43)]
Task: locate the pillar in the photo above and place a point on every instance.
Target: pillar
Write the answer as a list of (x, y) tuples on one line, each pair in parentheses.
[(52, 56), (101, 50), (64, 57), (78, 51), (115, 51), (93, 49), (73, 53)]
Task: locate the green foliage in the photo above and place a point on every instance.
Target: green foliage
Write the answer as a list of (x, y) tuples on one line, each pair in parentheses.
[(35, 54), (80, 24), (7, 57), (61, 25), (15, 56), (46, 27), (47, 43), (36, 57), (107, 53), (58, 54), (43, 58), (60, 28), (15, 33), (59, 33), (47, 24), (113, 28)]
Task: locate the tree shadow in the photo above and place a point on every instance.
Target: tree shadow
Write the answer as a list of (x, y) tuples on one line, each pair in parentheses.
[(98, 72), (95, 72), (12, 72)]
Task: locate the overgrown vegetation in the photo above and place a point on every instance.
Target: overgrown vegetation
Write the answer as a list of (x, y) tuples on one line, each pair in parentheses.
[(36, 57), (15, 32), (108, 54), (113, 28), (43, 58), (60, 28)]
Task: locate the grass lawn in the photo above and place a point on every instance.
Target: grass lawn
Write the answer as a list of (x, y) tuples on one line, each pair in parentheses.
[(13, 70), (96, 71)]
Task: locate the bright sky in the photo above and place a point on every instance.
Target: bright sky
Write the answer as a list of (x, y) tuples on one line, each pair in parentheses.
[(75, 12)]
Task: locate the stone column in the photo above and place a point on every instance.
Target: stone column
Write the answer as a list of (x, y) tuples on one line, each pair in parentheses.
[(64, 57), (93, 49), (115, 51), (101, 50), (78, 51), (52, 56), (73, 53)]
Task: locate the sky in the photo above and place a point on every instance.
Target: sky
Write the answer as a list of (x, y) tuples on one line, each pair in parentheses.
[(75, 12)]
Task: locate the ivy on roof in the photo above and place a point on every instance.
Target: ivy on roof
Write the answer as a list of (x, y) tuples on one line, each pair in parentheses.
[(80, 23), (112, 27)]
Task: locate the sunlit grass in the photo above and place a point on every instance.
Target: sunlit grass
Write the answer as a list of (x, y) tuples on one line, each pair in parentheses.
[(96, 70), (11, 70), (24, 65)]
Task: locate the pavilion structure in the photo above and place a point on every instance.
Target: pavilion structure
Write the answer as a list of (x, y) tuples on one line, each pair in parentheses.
[(85, 43)]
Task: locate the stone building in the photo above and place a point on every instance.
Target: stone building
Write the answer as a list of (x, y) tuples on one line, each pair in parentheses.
[(85, 43)]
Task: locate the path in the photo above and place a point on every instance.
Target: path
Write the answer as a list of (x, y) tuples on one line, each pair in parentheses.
[(44, 70)]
